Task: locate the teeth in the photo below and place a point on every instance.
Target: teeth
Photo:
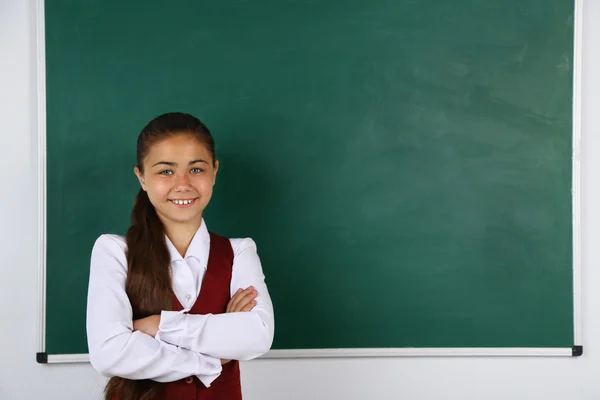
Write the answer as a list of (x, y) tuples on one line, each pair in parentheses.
[(182, 202)]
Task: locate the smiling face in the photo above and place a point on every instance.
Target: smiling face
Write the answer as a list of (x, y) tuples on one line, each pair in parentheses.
[(178, 173)]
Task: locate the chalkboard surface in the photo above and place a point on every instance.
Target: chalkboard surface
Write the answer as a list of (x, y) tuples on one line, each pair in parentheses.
[(405, 167)]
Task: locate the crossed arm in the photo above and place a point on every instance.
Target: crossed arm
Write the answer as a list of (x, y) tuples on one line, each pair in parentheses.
[(183, 344), (243, 300)]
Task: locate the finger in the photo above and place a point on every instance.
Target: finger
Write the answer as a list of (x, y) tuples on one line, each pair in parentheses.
[(231, 300), (246, 298), (249, 306), (235, 300), (238, 297)]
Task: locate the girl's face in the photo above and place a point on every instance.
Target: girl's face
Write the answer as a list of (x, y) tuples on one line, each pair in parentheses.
[(178, 176)]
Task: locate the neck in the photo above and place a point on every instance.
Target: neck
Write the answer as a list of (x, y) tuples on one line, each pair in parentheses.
[(181, 235)]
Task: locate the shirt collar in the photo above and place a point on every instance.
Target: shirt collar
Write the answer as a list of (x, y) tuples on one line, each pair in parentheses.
[(198, 248)]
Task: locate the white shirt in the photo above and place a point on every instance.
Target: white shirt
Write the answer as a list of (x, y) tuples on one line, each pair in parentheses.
[(186, 344)]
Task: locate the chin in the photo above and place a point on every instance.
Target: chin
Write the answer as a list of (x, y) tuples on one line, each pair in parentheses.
[(182, 219)]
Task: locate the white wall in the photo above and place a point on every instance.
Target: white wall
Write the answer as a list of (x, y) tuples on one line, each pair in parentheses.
[(22, 378)]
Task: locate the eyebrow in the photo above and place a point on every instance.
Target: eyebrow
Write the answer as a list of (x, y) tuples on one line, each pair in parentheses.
[(174, 164)]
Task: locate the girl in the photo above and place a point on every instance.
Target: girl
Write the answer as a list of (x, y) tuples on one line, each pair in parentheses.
[(171, 307)]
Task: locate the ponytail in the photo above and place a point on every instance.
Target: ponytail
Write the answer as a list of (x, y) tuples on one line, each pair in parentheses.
[(148, 286), (148, 277)]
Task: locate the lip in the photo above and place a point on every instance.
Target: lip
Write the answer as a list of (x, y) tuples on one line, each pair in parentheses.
[(184, 205)]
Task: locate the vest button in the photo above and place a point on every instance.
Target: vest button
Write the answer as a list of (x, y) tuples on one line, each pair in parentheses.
[(189, 380)]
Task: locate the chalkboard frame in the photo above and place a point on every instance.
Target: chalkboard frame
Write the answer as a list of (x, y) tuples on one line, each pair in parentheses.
[(577, 350)]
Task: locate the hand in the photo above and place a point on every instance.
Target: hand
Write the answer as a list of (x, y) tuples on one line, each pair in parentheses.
[(148, 325), (242, 300)]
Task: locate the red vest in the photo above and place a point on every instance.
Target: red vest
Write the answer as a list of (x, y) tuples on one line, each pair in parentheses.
[(213, 298)]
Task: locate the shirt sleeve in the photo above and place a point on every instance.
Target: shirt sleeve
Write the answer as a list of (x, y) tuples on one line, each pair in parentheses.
[(232, 336), (114, 349)]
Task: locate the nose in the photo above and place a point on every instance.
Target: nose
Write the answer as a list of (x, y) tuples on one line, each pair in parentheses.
[(182, 182)]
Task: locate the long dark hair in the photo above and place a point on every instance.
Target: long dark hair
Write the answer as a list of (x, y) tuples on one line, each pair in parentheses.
[(148, 276)]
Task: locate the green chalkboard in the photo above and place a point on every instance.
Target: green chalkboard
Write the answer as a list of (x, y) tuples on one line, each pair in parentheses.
[(405, 167)]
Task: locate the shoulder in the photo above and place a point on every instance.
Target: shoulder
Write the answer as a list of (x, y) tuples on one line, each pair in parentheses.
[(109, 247), (238, 245), (241, 245), (108, 262), (245, 256), (111, 243)]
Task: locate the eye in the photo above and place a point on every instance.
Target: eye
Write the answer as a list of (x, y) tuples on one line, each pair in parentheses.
[(196, 170), (166, 172)]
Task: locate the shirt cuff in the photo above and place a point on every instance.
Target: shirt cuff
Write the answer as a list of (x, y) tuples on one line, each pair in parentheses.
[(211, 365), (181, 329), (171, 328), (207, 380)]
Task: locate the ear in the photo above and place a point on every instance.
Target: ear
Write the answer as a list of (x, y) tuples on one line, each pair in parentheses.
[(140, 177), (216, 168)]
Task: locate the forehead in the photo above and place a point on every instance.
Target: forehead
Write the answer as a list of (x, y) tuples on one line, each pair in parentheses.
[(178, 147)]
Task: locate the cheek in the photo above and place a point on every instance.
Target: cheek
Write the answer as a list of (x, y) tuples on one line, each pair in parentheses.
[(158, 189), (205, 187)]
